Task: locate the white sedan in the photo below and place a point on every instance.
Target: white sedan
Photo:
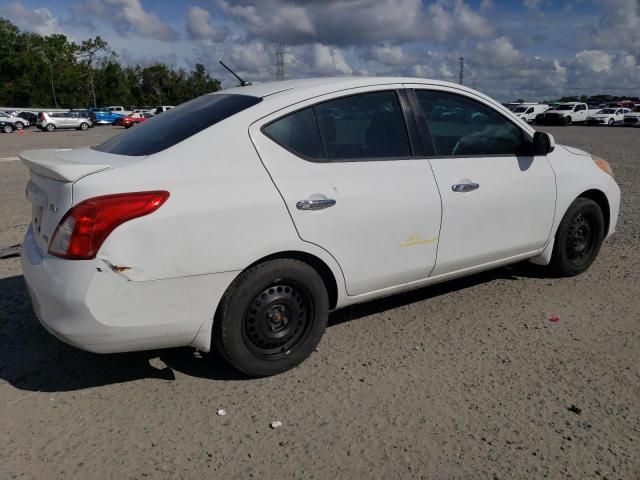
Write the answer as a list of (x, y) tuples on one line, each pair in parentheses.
[(240, 219), (608, 116)]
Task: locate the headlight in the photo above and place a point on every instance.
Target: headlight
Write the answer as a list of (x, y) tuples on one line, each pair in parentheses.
[(602, 165)]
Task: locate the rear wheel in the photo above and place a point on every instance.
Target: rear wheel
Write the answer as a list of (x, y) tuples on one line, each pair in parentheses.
[(7, 129), (578, 238), (50, 127), (271, 317), (84, 126)]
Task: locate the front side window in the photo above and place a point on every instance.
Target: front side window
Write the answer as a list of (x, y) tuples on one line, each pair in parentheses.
[(365, 126), (461, 126), (164, 131)]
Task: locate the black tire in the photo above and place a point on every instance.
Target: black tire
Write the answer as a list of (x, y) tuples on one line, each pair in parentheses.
[(272, 317), (84, 126), (19, 125), (7, 129), (610, 122), (50, 127), (578, 238), (568, 121)]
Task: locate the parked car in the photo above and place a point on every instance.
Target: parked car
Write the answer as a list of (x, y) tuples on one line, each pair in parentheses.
[(51, 121), (564, 114), (608, 116), (119, 109), (529, 112), (101, 116), (632, 119), (18, 122), (30, 117), (133, 119), (162, 108), (6, 127), (238, 220)]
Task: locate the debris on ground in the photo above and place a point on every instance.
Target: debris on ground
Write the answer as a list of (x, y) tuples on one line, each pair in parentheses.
[(574, 409), (221, 412), (276, 424), (9, 252), (554, 318)]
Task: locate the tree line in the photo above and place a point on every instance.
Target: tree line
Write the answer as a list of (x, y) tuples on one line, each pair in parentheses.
[(52, 71)]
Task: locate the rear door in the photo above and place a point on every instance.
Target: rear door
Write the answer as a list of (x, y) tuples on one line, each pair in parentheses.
[(498, 200), (355, 183)]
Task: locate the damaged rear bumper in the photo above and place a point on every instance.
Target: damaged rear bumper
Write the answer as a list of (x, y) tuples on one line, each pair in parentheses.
[(87, 304)]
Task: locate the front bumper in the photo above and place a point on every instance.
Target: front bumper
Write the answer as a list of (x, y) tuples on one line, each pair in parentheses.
[(88, 305)]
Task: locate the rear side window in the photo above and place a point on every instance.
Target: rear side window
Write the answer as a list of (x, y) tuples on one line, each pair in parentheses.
[(299, 133), (461, 126), (363, 126), (172, 127)]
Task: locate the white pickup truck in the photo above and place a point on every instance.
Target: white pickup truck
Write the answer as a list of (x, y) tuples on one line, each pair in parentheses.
[(565, 114), (118, 109)]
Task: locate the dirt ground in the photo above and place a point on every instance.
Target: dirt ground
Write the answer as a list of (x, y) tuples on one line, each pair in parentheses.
[(467, 379)]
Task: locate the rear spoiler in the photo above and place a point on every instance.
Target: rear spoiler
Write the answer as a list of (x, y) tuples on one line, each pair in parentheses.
[(68, 165)]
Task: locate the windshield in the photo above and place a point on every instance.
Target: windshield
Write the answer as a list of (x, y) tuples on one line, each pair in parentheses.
[(179, 123), (520, 110), (564, 107)]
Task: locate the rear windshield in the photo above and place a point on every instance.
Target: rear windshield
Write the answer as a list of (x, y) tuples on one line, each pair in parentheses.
[(169, 128)]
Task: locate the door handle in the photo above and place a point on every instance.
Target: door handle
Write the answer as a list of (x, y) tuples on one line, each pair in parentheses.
[(315, 204), (465, 187)]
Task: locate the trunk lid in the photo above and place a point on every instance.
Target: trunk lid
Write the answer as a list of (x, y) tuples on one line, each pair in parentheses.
[(53, 173)]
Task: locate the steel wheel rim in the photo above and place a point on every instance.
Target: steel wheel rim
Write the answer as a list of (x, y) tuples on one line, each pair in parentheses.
[(278, 320), (581, 239)]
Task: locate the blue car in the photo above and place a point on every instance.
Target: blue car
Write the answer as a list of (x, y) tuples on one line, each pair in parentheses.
[(100, 116)]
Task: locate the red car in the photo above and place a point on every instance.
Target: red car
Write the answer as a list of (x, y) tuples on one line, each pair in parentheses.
[(133, 119)]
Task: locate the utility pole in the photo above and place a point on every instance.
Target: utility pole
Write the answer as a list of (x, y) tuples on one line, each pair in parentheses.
[(280, 73), (461, 76)]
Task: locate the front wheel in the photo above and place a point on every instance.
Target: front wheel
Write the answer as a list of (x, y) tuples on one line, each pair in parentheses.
[(84, 126), (610, 122), (568, 121), (7, 129), (19, 125), (272, 317), (578, 238)]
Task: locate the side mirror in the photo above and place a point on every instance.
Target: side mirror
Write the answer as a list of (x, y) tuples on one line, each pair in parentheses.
[(543, 143)]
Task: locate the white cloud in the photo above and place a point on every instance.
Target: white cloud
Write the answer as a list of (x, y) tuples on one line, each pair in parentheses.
[(126, 16), (39, 20), (619, 26), (499, 52), (594, 60), (329, 61), (199, 25)]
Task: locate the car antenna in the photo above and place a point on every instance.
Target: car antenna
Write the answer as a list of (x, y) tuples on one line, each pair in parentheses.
[(243, 83)]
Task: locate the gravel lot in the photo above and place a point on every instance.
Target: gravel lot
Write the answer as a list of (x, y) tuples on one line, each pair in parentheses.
[(12, 143), (467, 379)]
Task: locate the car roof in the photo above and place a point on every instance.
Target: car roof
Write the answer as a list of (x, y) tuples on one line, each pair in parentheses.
[(329, 84)]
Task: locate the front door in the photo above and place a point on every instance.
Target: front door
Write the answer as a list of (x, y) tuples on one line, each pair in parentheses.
[(348, 175), (498, 199)]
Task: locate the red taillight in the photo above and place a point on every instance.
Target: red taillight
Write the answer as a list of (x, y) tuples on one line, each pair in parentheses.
[(85, 227), (41, 116)]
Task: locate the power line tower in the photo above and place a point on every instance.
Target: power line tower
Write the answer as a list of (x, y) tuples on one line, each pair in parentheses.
[(461, 75), (280, 74)]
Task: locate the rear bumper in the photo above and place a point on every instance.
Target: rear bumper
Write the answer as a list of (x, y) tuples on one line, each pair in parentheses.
[(86, 304)]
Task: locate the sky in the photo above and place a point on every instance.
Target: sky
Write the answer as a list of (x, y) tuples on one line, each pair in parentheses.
[(529, 49)]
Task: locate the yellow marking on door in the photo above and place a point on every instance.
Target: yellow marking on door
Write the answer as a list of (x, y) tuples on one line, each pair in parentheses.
[(415, 239)]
